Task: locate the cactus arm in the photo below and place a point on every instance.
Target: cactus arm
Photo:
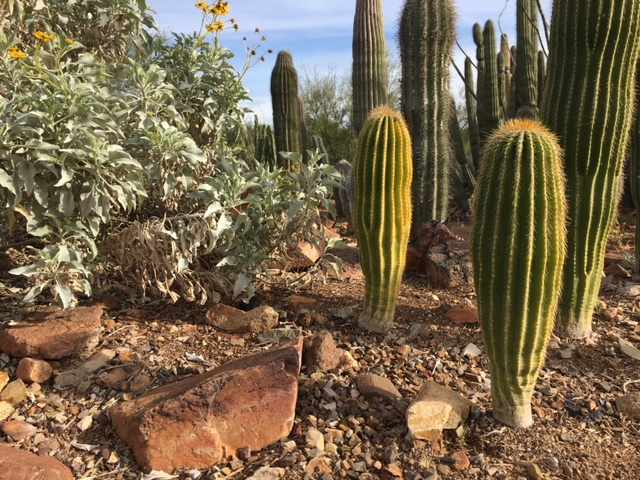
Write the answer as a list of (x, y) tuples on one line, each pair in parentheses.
[(491, 90), (528, 45)]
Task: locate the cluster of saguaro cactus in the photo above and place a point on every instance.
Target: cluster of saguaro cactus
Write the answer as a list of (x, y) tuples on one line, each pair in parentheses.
[(427, 35), (382, 212), (264, 143), (288, 117), (518, 252), (370, 69), (589, 103), (509, 82)]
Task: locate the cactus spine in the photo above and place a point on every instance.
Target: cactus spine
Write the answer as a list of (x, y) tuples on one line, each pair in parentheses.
[(589, 102), (527, 74), (518, 252), (382, 212), (370, 74), (427, 35), (287, 111), (472, 111)]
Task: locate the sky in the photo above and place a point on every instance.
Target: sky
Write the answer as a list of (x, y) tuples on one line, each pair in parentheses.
[(318, 33)]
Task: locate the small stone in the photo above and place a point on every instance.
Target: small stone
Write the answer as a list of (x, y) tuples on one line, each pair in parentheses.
[(566, 353), (631, 290), (18, 430), (629, 405), (444, 470), (315, 439), (31, 370), (318, 465), (4, 380), (140, 383), (395, 470), (290, 446), (534, 472), (463, 315), (233, 320), (371, 385), (6, 410), (298, 302), (404, 350), (113, 458), (348, 362), (267, 473), (115, 378), (471, 351), (15, 393), (321, 353), (460, 461), (85, 424), (436, 408)]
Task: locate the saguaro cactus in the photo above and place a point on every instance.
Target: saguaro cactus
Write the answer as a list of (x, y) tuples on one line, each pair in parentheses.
[(287, 111), (634, 179), (382, 212), (264, 144), (472, 111), (505, 77), (427, 36), (589, 99), (518, 252), (542, 76), (490, 90), (370, 70), (528, 44)]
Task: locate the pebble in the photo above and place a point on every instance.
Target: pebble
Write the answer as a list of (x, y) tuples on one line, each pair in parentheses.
[(471, 351), (315, 439)]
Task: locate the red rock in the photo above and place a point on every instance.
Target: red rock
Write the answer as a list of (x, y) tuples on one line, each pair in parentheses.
[(233, 320), (54, 335), (18, 430), (463, 315), (200, 421), (304, 255), (460, 461), (17, 464), (31, 370), (321, 353), (371, 385)]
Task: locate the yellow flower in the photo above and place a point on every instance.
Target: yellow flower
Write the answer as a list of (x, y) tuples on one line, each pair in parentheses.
[(202, 6), (44, 37), (215, 27), (221, 9), (17, 54)]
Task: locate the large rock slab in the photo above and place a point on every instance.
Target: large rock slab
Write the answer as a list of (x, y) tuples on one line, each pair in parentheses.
[(17, 464), (200, 421), (434, 409), (54, 335)]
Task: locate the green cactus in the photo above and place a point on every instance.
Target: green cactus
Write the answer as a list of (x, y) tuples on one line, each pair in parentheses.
[(463, 170), (264, 144), (370, 70), (287, 111), (478, 38), (489, 91), (542, 76), (634, 179), (472, 111), (505, 77), (518, 252), (528, 44), (427, 35), (588, 102), (382, 212)]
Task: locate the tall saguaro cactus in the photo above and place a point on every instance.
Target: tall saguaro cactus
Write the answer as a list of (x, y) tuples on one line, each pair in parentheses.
[(518, 252), (472, 111), (634, 179), (370, 69), (528, 45), (542, 76), (382, 212), (287, 111), (588, 102), (427, 35), (490, 90)]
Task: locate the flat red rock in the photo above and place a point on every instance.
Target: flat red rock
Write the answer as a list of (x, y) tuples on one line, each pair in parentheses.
[(17, 464), (53, 335), (200, 421)]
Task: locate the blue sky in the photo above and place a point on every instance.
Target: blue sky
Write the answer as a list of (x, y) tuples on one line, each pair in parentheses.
[(317, 32)]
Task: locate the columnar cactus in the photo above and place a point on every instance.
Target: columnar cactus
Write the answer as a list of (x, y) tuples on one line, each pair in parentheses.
[(588, 102), (382, 212), (287, 111), (478, 38), (264, 144), (528, 44), (518, 252), (472, 111), (634, 180), (427, 36), (490, 91), (370, 70), (542, 76), (505, 77)]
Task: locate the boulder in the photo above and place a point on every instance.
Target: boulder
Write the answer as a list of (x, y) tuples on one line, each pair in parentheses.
[(203, 420), (31, 370), (54, 335), (233, 320), (436, 408), (17, 464), (321, 353), (371, 385)]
